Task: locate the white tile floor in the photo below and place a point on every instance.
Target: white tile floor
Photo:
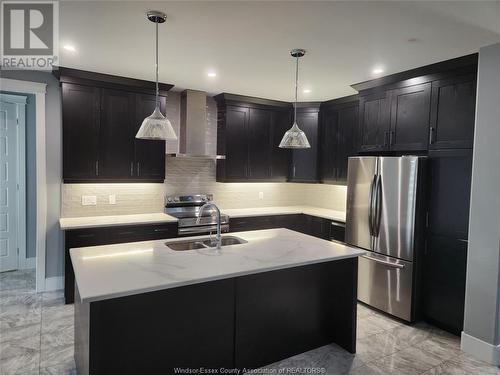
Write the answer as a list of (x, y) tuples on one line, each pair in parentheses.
[(36, 337)]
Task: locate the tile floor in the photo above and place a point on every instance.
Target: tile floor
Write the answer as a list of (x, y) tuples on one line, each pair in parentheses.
[(36, 337)]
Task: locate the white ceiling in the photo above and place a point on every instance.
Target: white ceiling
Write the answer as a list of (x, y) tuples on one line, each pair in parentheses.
[(247, 42)]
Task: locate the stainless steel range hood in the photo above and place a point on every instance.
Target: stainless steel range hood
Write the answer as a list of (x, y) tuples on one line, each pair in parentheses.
[(193, 126)]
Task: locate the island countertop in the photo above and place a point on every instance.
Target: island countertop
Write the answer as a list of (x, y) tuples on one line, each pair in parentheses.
[(111, 271)]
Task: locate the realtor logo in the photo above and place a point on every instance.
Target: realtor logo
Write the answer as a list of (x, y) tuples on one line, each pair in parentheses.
[(29, 34)]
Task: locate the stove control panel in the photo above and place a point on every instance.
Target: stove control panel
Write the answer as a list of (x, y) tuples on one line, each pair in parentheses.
[(189, 199)]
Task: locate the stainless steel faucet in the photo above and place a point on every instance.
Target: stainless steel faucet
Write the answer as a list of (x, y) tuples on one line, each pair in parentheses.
[(210, 204)]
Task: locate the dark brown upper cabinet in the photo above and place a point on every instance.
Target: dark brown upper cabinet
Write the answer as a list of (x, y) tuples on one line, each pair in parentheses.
[(116, 151), (236, 126), (396, 120), (410, 112), (101, 115), (247, 135), (304, 165), (339, 125), (431, 107), (280, 157), (81, 123), (149, 155), (374, 122), (260, 129), (453, 112)]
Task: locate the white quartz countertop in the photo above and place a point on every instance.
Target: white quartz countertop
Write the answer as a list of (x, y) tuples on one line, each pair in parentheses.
[(106, 221), (104, 272), (286, 210), (67, 223)]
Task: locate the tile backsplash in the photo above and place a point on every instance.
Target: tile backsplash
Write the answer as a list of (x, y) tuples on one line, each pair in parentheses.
[(192, 176), (131, 198)]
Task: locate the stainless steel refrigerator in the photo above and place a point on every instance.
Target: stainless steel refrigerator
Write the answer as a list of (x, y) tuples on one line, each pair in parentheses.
[(384, 204)]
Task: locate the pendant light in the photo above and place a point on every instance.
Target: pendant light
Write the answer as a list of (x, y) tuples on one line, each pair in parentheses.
[(156, 126), (294, 137)]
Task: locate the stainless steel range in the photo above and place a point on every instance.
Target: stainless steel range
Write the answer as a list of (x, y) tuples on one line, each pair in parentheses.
[(187, 208)]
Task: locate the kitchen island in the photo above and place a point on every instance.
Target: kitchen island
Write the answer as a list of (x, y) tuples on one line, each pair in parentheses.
[(144, 308)]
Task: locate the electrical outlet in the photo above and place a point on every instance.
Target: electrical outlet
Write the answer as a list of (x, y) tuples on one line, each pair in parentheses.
[(89, 200), (261, 195), (112, 199)]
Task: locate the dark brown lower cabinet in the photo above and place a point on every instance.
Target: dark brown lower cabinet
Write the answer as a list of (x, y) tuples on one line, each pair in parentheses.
[(235, 323), (444, 283), (307, 224), (445, 258), (108, 235)]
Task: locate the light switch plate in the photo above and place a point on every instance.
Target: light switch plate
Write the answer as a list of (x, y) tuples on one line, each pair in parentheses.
[(261, 195), (112, 199), (89, 200)]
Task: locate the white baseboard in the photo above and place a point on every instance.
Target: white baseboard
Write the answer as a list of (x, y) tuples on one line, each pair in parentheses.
[(480, 349), (54, 283)]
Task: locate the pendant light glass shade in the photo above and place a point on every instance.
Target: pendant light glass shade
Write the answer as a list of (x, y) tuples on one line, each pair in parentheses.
[(156, 126), (295, 137)]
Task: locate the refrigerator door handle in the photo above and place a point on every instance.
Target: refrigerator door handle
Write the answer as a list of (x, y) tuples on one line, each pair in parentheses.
[(378, 206), (384, 262), (370, 205)]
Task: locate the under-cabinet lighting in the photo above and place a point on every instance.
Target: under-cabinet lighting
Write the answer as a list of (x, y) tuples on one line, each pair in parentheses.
[(69, 47)]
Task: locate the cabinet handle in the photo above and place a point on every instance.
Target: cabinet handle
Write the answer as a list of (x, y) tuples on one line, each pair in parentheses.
[(131, 168), (431, 135), (391, 136), (161, 230), (385, 138), (294, 170), (125, 233), (138, 168), (97, 167)]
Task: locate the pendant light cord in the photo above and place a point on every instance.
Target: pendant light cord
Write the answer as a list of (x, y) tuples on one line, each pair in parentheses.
[(296, 88), (156, 98)]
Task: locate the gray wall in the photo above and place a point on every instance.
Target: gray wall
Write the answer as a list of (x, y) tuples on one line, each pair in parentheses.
[(53, 121), (482, 319)]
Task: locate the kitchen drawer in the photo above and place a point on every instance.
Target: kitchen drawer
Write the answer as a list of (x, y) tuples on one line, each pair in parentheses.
[(337, 231), (85, 237), (286, 221), (128, 233), (161, 231), (133, 233), (251, 223)]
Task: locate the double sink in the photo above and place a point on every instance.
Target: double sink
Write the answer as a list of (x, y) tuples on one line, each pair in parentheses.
[(204, 243)]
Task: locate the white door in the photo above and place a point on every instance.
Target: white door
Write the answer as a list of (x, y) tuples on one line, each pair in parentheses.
[(8, 187)]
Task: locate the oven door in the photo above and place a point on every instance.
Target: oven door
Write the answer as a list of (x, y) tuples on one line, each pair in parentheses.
[(201, 229)]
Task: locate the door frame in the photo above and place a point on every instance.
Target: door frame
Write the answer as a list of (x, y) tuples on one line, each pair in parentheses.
[(39, 90), (20, 102)]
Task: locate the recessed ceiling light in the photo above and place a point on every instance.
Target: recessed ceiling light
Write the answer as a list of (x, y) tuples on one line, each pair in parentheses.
[(307, 91), (212, 74), (378, 70), (69, 47)]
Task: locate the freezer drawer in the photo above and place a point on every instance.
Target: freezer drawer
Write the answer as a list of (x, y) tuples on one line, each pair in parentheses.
[(386, 284)]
